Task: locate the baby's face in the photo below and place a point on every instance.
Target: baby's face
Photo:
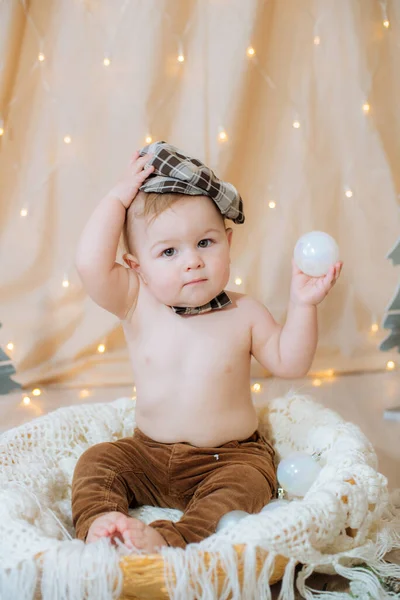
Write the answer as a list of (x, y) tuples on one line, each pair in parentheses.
[(186, 242)]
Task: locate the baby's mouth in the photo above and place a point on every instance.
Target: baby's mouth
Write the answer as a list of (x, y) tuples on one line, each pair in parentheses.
[(196, 281)]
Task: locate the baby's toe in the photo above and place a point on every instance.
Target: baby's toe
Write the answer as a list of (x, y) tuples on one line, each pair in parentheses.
[(135, 533), (132, 540), (136, 523)]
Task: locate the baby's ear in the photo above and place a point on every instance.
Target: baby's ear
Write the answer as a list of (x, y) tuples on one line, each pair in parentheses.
[(131, 261), (229, 234)]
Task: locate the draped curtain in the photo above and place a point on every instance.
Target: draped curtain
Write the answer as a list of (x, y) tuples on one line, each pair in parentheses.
[(296, 103)]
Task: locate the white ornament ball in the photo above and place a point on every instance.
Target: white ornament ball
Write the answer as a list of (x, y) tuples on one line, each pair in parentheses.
[(231, 518), (297, 472), (315, 252), (273, 504)]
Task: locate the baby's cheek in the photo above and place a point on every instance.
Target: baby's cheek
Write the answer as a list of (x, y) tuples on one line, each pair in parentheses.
[(221, 266), (167, 282), (165, 286)]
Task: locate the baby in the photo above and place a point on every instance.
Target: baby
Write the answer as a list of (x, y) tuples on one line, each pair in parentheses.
[(196, 446)]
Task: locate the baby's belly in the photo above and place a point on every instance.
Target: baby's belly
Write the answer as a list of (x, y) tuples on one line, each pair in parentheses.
[(203, 416)]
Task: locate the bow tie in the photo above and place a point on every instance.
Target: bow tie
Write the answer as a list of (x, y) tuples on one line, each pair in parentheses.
[(216, 303)]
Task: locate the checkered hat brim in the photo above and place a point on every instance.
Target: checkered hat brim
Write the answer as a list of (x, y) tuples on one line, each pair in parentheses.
[(177, 173)]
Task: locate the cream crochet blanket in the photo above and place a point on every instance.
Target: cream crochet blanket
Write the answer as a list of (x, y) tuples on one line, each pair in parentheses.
[(345, 519)]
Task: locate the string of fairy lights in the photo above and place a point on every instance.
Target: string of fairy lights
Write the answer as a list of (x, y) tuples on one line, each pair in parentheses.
[(221, 137)]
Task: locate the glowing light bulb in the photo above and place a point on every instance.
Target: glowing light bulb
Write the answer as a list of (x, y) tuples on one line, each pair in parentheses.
[(238, 281), (65, 283), (348, 193), (250, 51), (366, 107), (317, 382), (101, 348), (330, 372), (10, 346), (386, 23), (106, 62), (41, 56), (67, 139), (390, 365), (317, 40), (374, 327), (23, 212), (296, 124), (272, 204), (26, 400), (222, 136), (1, 130), (256, 387), (181, 58), (36, 392), (84, 393)]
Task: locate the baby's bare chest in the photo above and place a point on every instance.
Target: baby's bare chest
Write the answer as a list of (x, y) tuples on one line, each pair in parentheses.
[(215, 343)]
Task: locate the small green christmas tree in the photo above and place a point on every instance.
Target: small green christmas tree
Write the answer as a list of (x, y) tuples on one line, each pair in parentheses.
[(392, 319), (392, 322), (6, 370)]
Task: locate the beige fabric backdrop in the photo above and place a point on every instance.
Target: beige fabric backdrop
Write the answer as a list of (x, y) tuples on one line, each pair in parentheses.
[(317, 62)]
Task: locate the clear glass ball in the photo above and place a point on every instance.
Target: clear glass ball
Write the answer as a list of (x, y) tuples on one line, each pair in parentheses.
[(297, 472), (315, 252), (231, 518), (273, 504)]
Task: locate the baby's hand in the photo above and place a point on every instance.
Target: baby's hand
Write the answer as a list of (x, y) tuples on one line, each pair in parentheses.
[(113, 525), (130, 182), (132, 532), (312, 290)]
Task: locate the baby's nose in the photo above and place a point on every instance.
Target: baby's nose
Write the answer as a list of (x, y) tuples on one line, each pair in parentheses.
[(194, 261)]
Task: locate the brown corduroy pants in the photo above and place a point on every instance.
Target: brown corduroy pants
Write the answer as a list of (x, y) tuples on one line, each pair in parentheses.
[(205, 483)]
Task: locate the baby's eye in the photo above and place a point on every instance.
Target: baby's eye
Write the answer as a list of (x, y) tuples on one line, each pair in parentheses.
[(205, 240), (167, 254)]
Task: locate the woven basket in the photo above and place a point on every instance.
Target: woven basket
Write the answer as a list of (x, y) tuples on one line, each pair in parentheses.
[(144, 575), (37, 461)]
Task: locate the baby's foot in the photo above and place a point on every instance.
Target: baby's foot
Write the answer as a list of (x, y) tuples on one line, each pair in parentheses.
[(144, 537), (132, 532)]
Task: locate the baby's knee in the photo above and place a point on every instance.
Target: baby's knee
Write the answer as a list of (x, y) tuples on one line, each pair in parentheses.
[(251, 478), (258, 488), (244, 478)]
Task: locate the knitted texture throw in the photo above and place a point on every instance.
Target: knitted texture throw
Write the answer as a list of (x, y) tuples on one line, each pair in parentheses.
[(346, 517)]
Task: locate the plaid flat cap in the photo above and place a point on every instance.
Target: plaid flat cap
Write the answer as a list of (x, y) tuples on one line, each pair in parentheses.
[(178, 173)]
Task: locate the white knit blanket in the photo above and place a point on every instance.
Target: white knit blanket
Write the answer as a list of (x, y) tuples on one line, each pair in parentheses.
[(345, 518)]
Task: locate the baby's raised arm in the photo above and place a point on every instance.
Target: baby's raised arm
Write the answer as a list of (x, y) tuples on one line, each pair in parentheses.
[(285, 351), (288, 350), (108, 283)]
